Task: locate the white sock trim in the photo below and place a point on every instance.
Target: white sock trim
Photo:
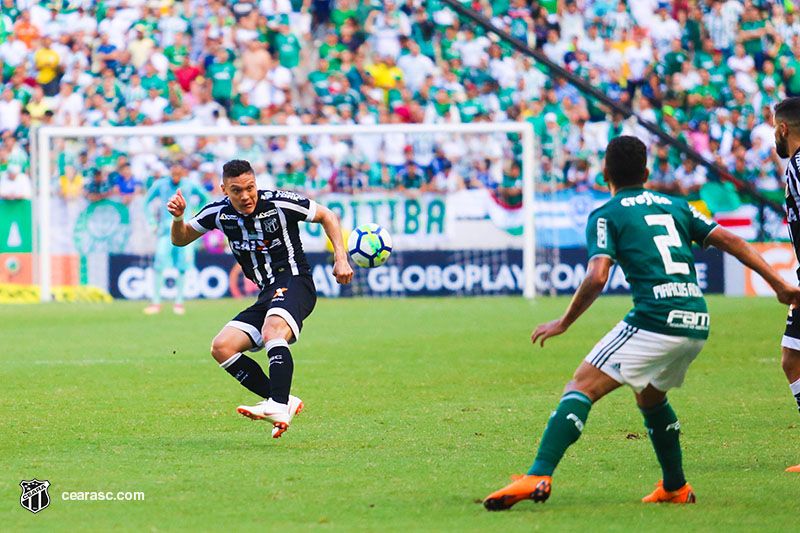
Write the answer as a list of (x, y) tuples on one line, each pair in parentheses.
[(795, 387), (274, 343), (232, 359)]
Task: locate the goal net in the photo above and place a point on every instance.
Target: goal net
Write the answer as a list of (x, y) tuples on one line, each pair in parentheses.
[(458, 200)]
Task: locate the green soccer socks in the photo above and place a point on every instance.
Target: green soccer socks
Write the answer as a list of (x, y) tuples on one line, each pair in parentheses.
[(564, 428), (664, 430)]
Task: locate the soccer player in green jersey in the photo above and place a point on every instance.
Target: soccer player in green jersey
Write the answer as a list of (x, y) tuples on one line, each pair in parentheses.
[(649, 236)]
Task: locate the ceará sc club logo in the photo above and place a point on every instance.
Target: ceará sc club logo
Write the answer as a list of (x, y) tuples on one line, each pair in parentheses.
[(34, 496)]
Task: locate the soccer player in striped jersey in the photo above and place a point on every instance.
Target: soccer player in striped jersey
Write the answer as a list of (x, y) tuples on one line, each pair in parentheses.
[(263, 234), (649, 236), (787, 144)]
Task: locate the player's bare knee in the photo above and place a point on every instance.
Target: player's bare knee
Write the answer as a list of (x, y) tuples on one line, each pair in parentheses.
[(220, 350), (650, 397), (790, 361), (276, 327), (592, 382)]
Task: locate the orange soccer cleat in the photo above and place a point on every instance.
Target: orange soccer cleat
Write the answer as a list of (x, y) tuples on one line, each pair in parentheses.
[(536, 488), (684, 494), (795, 468)]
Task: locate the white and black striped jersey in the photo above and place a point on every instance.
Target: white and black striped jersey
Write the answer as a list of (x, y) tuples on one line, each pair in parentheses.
[(267, 241), (792, 176)]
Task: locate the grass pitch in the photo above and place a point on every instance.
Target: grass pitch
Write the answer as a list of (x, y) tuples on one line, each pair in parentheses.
[(416, 410)]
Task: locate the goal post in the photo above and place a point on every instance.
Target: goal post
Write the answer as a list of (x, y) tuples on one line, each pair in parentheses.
[(43, 138)]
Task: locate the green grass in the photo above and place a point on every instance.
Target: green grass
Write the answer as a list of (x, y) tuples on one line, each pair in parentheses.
[(416, 410)]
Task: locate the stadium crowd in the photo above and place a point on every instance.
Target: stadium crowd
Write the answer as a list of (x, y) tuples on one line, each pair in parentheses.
[(707, 71)]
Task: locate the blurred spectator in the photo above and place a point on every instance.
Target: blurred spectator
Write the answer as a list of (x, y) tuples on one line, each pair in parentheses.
[(690, 178), (70, 184), (48, 64), (125, 183), (10, 110), (14, 184), (100, 187), (663, 179)]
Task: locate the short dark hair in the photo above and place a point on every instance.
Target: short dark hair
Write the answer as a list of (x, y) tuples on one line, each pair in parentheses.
[(788, 110), (235, 168), (626, 161)]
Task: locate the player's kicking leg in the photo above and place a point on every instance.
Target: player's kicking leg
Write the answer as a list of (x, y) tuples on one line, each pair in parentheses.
[(291, 300), (228, 349), (281, 407), (563, 429)]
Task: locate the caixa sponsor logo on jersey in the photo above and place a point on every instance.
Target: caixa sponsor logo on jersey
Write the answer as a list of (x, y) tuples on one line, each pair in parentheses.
[(688, 319), (254, 245), (136, 283)]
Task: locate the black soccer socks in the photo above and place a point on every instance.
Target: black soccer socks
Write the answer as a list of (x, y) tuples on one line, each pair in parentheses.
[(281, 367), (248, 373)]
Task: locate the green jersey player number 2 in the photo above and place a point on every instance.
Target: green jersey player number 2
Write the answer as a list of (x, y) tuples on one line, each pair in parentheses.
[(650, 236)]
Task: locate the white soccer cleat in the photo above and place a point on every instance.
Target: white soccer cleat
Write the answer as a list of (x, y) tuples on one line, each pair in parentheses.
[(279, 414)]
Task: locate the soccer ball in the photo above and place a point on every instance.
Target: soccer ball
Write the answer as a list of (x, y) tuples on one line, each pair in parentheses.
[(369, 245)]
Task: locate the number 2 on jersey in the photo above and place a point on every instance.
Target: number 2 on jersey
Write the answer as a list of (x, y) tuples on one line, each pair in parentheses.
[(664, 242)]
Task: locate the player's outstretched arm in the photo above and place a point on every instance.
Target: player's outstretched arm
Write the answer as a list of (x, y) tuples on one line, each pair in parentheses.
[(181, 233), (330, 223), (747, 255), (590, 288)]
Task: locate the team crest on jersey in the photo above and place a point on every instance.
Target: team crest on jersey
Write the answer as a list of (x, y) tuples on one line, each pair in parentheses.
[(34, 495), (271, 225)]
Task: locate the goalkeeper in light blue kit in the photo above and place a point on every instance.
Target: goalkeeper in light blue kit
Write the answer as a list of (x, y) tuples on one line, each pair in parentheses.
[(649, 235), (168, 255)]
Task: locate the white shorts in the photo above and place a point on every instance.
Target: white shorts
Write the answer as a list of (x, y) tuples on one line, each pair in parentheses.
[(639, 358)]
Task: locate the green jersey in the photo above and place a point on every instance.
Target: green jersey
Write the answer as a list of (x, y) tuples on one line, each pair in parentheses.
[(470, 109), (753, 46), (221, 75), (649, 235), (288, 47)]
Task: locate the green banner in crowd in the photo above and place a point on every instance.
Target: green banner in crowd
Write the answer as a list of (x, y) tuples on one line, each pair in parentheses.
[(15, 226), (103, 227)]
